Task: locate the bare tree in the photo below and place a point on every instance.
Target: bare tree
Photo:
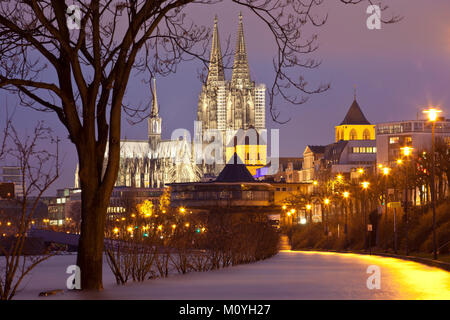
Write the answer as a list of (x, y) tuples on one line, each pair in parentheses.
[(82, 73), (39, 169)]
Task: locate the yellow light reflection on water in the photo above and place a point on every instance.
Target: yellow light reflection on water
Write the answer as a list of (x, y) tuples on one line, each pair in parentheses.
[(418, 280)]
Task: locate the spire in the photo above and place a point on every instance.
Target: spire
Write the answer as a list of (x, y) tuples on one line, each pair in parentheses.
[(354, 95), (215, 72), (240, 66), (155, 110)]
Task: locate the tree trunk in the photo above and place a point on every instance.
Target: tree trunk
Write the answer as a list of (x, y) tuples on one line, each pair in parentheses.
[(95, 198), (90, 249)]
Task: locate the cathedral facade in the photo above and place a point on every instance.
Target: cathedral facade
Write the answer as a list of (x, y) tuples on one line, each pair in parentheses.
[(233, 108), (231, 105)]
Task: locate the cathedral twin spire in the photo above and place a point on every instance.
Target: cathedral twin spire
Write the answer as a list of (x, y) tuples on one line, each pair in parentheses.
[(240, 67), (155, 109), (241, 73), (216, 72)]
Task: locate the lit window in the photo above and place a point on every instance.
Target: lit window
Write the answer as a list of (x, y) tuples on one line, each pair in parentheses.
[(366, 135), (393, 140), (353, 135)]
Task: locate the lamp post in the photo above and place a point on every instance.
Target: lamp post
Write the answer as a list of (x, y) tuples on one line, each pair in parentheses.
[(386, 173), (406, 153), (432, 116), (326, 202), (345, 195), (365, 185), (309, 208)]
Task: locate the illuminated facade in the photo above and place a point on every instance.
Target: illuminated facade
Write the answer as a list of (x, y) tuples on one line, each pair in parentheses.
[(250, 147)]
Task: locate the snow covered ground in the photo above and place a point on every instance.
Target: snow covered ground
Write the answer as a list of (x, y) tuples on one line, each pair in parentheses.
[(288, 275)]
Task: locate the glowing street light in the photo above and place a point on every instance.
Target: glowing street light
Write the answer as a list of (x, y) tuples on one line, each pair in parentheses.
[(326, 201), (284, 207), (360, 170), (386, 171), (406, 151), (346, 194), (308, 207), (365, 184), (315, 182), (182, 210), (339, 177), (432, 113)]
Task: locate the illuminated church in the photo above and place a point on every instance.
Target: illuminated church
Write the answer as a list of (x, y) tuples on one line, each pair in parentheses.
[(235, 108), (354, 148)]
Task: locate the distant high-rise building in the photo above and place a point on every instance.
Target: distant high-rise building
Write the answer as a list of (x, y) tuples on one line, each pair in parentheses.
[(13, 174)]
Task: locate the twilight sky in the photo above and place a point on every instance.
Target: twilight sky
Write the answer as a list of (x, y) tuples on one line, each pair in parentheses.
[(398, 70)]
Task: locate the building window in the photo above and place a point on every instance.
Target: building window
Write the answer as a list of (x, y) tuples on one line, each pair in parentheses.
[(353, 135), (355, 149), (366, 135), (393, 140)]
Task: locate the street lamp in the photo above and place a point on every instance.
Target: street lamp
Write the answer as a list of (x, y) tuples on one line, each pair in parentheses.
[(309, 208), (365, 186), (386, 171), (432, 116), (406, 153), (326, 201), (346, 195)]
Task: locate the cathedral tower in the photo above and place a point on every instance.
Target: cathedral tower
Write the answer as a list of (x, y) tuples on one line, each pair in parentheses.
[(154, 121), (355, 126)]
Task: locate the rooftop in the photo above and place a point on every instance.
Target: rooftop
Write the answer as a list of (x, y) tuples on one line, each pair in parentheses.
[(355, 115)]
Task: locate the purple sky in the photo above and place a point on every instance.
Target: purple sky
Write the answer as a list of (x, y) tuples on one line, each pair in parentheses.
[(398, 70)]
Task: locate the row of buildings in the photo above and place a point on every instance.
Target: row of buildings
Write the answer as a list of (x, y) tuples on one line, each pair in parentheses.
[(359, 144)]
